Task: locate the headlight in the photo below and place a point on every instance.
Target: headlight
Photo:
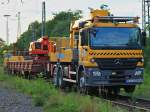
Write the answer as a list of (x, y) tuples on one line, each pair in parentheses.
[(142, 60), (137, 73), (96, 73)]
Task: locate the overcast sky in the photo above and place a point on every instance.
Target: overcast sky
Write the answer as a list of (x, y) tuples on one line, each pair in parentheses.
[(31, 11)]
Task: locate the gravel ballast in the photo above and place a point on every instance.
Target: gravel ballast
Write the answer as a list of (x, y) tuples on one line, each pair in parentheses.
[(12, 101)]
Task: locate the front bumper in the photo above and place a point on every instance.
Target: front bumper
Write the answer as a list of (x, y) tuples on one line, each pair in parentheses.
[(97, 77)]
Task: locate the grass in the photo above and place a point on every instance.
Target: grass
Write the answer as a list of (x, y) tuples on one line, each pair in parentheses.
[(144, 89), (52, 99)]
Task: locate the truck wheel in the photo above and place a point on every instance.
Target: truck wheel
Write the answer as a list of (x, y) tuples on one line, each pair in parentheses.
[(61, 83), (93, 91), (116, 91), (129, 89), (81, 85), (55, 77)]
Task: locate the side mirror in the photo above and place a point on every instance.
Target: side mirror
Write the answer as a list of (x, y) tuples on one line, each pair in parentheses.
[(81, 24), (144, 38), (84, 38)]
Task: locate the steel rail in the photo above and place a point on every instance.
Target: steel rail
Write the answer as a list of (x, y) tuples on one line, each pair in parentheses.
[(131, 103)]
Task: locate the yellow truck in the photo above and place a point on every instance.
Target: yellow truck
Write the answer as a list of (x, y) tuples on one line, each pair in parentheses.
[(104, 52)]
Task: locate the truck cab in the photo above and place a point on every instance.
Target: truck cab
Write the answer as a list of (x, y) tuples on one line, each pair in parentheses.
[(110, 51), (105, 52)]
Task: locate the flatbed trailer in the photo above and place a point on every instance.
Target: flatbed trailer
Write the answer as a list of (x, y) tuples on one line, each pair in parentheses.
[(32, 62), (27, 67)]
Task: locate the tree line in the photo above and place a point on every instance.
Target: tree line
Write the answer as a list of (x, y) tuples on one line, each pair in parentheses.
[(59, 26)]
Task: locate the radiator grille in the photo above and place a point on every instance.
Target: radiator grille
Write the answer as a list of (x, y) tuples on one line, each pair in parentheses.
[(115, 64)]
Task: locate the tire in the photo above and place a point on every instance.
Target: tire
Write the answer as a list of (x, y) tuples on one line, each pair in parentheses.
[(129, 89), (61, 82), (55, 77), (58, 78), (84, 89), (81, 87), (116, 91), (93, 91)]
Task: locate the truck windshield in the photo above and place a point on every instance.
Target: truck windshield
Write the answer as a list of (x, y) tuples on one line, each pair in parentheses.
[(115, 37)]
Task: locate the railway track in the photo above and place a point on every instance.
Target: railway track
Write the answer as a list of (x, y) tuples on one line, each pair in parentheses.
[(130, 103)]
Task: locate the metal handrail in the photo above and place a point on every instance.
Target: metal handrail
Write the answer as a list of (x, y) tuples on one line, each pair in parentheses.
[(117, 18)]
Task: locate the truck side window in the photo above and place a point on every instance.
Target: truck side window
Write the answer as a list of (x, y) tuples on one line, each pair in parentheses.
[(76, 37), (84, 37), (37, 45)]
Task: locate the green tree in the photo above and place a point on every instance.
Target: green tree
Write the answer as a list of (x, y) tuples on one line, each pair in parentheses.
[(59, 26), (2, 42)]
